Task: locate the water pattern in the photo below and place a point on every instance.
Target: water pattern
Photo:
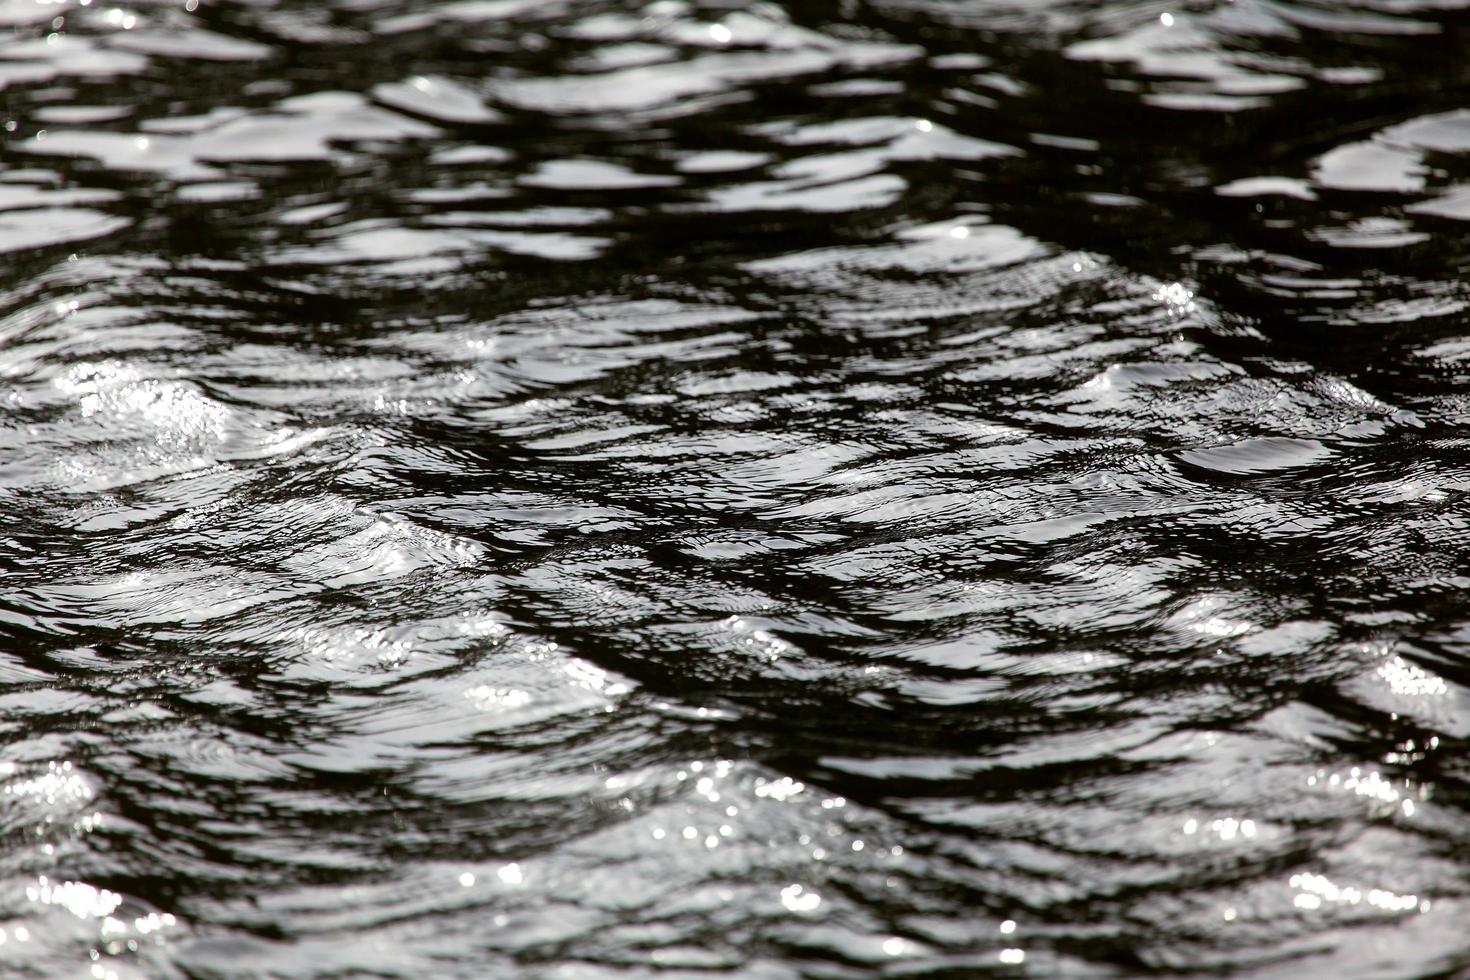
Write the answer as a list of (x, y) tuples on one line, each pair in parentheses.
[(807, 489)]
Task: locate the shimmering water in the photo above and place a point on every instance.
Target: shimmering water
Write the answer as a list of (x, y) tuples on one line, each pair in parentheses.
[(517, 488)]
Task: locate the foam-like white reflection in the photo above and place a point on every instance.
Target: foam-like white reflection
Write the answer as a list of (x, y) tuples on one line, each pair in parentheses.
[(60, 783), (178, 416), (488, 698), (764, 643), (593, 678), (1226, 828), (1315, 890), (1208, 617), (80, 899), (779, 790), (1409, 680), (1372, 785), (1177, 298), (798, 899)]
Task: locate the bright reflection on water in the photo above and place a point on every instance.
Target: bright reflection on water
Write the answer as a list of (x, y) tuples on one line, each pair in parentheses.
[(798, 489)]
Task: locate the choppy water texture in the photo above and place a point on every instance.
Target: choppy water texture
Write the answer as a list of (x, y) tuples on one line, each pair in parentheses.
[(516, 488)]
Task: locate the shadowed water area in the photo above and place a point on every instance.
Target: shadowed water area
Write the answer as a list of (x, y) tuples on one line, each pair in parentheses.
[(518, 488)]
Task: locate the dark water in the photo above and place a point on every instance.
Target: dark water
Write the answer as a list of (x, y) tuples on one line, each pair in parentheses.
[(511, 488)]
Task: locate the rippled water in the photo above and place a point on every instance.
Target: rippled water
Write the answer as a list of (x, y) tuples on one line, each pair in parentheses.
[(527, 488)]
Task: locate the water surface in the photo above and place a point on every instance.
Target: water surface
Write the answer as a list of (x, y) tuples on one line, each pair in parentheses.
[(815, 489)]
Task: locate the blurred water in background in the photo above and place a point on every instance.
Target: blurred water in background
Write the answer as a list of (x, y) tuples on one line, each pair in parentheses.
[(826, 489)]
